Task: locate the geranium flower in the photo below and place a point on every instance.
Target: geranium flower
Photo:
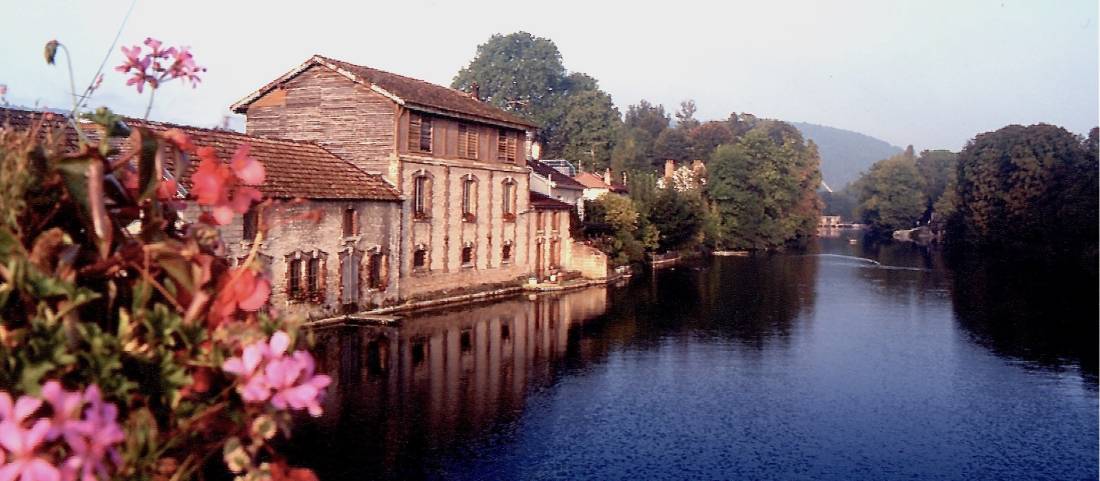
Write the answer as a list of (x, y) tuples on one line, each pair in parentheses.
[(249, 170), (22, 444), (240, 289), (215, 184)]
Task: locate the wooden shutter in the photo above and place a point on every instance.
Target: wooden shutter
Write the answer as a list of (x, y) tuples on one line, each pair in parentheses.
[(414, 132), (467, 141)]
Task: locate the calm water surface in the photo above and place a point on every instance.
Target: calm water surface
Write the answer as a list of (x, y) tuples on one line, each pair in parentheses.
[(821, 365)]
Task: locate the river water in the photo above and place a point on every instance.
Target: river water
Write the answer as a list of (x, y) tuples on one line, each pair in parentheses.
[(847, 362)]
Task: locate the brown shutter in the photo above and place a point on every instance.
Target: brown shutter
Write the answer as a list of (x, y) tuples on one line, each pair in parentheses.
[(414, 132), (385, 281)]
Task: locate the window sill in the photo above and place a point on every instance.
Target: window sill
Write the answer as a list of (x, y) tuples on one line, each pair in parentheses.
[(422, 218)]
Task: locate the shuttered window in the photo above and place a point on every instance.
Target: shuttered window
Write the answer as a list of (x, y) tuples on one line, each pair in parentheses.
[(508, 200), (420, 133), (420, 197), (374, 276), (506, 146), (467, 141), (469, 199), (349, 277)]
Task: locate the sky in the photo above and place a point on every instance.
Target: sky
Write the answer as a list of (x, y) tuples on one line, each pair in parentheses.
[(925, 72)]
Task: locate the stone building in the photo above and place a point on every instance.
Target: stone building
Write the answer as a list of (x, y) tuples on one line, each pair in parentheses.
[(459, 163), (330, 234)]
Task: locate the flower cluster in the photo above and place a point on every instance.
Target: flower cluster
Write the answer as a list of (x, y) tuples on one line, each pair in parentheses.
[(266, 372), (69, 444), (225, 188), (242, 289), (158, 65)]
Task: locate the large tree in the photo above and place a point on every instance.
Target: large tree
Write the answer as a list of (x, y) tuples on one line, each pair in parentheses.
[(648, 117), (763, 188), (1030, 188), (524, 74), (678, 218), (708, 136), (672, 144), (890, 195), (937, 168)]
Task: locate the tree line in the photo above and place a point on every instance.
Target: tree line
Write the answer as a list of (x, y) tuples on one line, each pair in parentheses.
[(755, 187), (1030, 190)]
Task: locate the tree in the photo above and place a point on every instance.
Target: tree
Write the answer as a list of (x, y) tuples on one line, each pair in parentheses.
[(672, 144), (937, 168), (524, 74), (678, 217), (1028, 189), (517, 72), (588, 129), (616, 228), (648, 117), (763, 189), (890, 196), (709, 135), (685, 117), (633, 151)]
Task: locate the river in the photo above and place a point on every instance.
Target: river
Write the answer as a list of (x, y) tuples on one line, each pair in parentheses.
[(847, 362)]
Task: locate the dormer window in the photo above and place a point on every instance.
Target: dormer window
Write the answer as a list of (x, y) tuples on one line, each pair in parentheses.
[(420, 133), (467, 141)]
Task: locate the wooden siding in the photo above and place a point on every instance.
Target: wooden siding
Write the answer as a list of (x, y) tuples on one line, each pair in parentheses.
[(323, 106)]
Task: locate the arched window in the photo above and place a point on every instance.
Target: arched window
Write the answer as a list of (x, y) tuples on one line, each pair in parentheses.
[(422, 195), (508, 200), (469, 198)]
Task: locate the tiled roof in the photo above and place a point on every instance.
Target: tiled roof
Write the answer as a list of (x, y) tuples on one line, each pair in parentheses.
[(542, 202), (294, 168), (560, 180), (591, 181), (411, 92)]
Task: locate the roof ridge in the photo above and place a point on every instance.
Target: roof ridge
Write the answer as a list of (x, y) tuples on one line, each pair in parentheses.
[(387, 72), (223, 131)]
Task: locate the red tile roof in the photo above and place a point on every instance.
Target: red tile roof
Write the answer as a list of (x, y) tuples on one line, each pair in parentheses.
[(411, 92), (294, 168), (542, 202), (560, 180)]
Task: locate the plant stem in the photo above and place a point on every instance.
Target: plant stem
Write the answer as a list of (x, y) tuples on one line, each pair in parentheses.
[(149, 107)]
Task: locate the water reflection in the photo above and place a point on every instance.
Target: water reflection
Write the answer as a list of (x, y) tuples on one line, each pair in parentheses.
[(402, 393), (847, 361)]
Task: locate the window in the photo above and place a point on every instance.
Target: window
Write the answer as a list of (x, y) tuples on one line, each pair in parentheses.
[(349, 277), (505, 331), (555, 218), (349, 222), (250, 225), (374, 276), (468, 256), (420, 258), (419, 352), (313, 276), (467, 141), (506, 252), (420, 197), (508, 200), (506, 146), (555, 253), (469, 199), (294, 278), (420, 133)]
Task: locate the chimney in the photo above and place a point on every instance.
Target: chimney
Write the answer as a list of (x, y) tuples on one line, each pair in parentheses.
[(670, 167), (475, 91), (607, 176)]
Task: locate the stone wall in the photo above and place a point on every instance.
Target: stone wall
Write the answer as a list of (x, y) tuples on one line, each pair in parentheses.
[(589, 261), (315, 229), (444, 232)]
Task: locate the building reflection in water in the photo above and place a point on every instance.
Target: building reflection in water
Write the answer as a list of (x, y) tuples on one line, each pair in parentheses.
[(436, 379)]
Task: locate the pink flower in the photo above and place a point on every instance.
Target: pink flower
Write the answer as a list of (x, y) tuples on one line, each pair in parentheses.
[(266, 372), (211, 180), (94, 440), (22, 444), (65, 405), (18, 411)]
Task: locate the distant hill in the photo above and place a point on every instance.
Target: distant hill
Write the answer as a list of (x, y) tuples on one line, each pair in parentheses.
[(844, 154)]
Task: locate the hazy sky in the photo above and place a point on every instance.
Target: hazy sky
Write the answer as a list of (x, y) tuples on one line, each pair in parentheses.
[(927, 73)]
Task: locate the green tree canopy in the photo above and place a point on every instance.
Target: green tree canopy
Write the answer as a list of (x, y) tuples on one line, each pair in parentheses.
[(672, 144), (1029, 188), (890, 196), (648, 117), (708, 136), (764, 189), (678, 218)]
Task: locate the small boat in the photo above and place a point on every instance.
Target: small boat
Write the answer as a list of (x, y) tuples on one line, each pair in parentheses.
[(853, 241), (731, 253)]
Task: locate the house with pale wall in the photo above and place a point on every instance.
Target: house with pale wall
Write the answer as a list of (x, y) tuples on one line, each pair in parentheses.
[(551, 183), (460, 165)]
